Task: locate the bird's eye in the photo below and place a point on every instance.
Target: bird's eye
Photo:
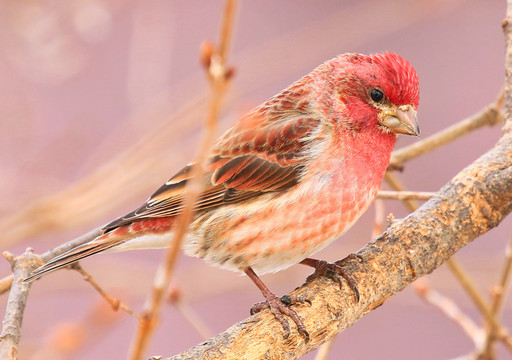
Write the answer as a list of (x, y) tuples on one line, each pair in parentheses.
[(376, 95)]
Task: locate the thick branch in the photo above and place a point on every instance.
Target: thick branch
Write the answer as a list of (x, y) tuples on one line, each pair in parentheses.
[(475, 201)]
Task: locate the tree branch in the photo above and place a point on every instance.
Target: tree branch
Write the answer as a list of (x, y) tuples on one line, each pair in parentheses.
[(11, 330)]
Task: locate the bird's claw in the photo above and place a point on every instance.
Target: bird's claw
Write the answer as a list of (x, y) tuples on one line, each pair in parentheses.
[(280, 307), (334, 271)]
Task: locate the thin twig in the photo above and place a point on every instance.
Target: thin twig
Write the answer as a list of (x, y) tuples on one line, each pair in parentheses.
[(480, 303), (397, 185), (116, 304), (405, 195), (451, 310), (489, 116), (380, 218), (5, 283), (497, 303), (176, 299), (218, 75), (66, 339), (324, 349)]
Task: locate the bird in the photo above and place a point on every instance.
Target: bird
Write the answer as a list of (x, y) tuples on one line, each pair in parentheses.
[(286, 180)]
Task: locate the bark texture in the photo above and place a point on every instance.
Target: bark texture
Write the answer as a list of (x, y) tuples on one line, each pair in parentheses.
[(11, 330)]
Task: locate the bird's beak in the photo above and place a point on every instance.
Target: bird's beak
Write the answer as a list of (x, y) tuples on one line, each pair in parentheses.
[(401, 121)]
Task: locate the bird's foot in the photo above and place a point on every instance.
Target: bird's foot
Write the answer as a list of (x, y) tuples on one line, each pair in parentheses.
[(280, 307), (334, 271)]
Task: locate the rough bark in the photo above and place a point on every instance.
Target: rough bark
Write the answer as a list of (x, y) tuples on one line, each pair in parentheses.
[(11, 330)]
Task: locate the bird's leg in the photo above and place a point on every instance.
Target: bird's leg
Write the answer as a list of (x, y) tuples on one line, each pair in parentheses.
[(279, 306), (333, 271)]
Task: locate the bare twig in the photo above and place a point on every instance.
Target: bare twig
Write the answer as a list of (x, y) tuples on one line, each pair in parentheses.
[(497, 303), (451, 310), (480, 303), (397, 185), (405, 195), (11, 330), (5, 283), (380, 218), (64, 340), (324, 349), (116, 304), (504, 282), (489, 116), (176, 299), (219, 76)]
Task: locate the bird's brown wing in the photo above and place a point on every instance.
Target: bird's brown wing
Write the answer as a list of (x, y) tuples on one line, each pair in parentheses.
[(263, 153)]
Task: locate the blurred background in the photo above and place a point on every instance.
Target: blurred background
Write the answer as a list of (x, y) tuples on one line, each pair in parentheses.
[(102, 101)]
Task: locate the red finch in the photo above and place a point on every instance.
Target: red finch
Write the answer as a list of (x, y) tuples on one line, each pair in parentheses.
[(284, 182)]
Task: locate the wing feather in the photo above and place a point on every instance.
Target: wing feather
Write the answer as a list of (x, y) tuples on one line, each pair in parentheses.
[(264, 152)]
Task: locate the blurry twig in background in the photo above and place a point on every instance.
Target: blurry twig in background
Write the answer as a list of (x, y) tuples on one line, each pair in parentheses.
[(489, 116), (116, 304), (483, 338), (5, 283), (451, 310), (175, 297), (405, 195), (499, 293), (219, 75), (66, 339), (480, 302), (323, 350), (379, 224)]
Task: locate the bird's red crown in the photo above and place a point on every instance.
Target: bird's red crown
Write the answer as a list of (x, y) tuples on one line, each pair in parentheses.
[(402, 85)]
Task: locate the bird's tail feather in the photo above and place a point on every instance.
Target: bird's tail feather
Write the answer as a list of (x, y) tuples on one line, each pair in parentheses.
[(101, 243), (114, 237)]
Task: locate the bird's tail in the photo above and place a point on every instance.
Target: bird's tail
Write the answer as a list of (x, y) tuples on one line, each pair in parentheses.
[(101, 243), (115, 238)]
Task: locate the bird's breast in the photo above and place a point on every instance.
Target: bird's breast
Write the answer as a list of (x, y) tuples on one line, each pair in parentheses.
[(277, 231)]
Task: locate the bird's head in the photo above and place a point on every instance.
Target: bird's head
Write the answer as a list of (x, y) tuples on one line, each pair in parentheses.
[(380, 92)]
